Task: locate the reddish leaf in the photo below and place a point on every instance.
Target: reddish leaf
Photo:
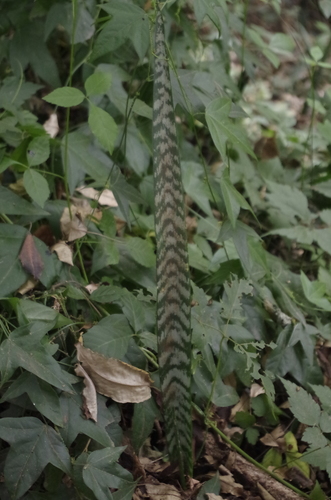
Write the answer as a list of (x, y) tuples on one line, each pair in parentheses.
[(30, 257)]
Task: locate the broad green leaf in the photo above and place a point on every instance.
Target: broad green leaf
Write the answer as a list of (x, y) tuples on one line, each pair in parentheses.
[(205, 7), (302, 405), (325, 6), (110, 336), (136, 151), (23, 349), (12, 275), (100, 472), (36, 186), (103, 126), (133, 310), (223, 396), (41, 394), (141, 250), (316, 53), (272, 458), (301, 234), (323, 393), (195, 185), (106, 294), (124, 192), (74, 422), (315, 292), (98, 83), (28, 47), (231, 300), (323, 238), (244, 419), (143, 421), (317, 493), (128, 21), (222, 128), (290, 201), (38, 150), (65, 97), (105, 254), (81, 159), (11, 204), (60, 15), (33, 445), (232, 198), (14, 91), (282, 43)]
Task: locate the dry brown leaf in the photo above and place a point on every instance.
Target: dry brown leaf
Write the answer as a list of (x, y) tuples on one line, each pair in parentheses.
[(212, 496), (105, 198), (242, 405), (89, 393), (113, 378), (27, 286), (64, 252), (275, 439), (30, 257), (162, 492), (73, 227), (256, 390), (91, 287), (52, 125), (229, 485)]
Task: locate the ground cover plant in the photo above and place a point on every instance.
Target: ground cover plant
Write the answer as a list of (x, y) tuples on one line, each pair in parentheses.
[(81, 412)]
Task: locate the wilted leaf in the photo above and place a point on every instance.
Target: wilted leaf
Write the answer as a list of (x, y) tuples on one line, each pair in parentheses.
[(113, 378), (63, 251), (52, 125), (30, 257), (162, 491), (104, 197), (89, 393), (27, 286), (72, 227), (275, 438)]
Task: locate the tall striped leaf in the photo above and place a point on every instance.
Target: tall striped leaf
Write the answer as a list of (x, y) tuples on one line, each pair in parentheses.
[(173, 281)]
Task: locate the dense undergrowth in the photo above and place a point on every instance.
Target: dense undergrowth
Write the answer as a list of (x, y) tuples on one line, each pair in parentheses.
[(77, 262)]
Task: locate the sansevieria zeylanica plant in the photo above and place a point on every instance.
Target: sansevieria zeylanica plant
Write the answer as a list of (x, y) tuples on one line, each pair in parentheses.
[(173, 281)]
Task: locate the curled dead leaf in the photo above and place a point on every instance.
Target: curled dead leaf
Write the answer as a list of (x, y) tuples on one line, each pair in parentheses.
[(30, 257), (91, 287), (162, 491), (52, 125), (242, 405), (72, 227), (256, 390), (114, 378), (27, 286), (63, 251), (106, 196), (275, 439), (89, 394)]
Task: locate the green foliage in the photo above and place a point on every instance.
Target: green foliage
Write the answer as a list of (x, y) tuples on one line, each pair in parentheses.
[(253, 116), (318, 421)]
